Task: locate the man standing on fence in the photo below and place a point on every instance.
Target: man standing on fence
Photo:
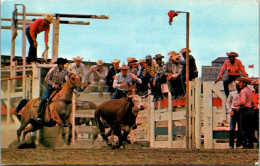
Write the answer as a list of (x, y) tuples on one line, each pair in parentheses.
[(245, 109), (234, 67), (35, 28), (234, 117)]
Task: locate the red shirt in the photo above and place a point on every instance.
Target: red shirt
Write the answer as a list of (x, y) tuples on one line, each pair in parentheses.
[(246, 96), (256, 100), (37, 27), (233, 69)]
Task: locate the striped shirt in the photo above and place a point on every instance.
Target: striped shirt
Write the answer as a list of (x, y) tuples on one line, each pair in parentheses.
[(119, 79), (150, 70), (38, 26), (233, 69), (81, 70), (55, 76), (246, 96)]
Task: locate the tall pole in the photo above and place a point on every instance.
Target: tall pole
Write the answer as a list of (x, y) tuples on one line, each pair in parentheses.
[(187, 81)]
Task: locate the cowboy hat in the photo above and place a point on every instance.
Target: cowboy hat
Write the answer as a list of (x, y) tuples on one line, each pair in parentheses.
[(174, 55), (148, 57), (232, 54), (185, 50), (133, 60), (61, 61), (115, 61), (158, 56), (99, 62), (244, 79), (142, 61), (48, 17), (123, 66), (78, 58), (129, 59)]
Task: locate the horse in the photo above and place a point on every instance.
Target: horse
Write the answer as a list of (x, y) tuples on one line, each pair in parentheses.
[(57, 111)]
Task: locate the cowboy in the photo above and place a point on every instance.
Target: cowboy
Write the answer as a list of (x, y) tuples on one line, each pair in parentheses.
[(148, 73), (245, 109), (55, 78), (172, 72), (99, 74), (233, 111), (113, 70), (35, 28), (159, 79), (193, 72), (79, 68), (142, 63), (135, 66), (122, 82), (234, 67), (255, 110)]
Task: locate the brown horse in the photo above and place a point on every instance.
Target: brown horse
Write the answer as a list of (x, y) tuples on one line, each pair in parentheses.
[(58, 110)]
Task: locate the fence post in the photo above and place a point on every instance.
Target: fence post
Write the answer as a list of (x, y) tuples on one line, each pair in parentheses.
[(170, 119), (36, 81), (8, 106), (208, 120), (73, 116), (152, 122), (198, 113)]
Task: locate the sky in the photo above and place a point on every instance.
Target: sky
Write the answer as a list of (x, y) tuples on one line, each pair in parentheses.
[(138, 28)]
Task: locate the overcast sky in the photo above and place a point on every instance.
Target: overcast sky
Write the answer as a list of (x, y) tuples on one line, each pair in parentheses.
[(137, 28)]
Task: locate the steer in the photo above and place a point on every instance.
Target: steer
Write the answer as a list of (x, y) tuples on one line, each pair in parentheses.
[(118, 114)]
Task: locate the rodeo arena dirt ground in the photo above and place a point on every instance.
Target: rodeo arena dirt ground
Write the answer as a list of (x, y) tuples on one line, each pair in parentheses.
[(133, 154)]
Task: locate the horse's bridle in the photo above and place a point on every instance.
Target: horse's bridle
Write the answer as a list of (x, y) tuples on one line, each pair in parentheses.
[(70, 80)]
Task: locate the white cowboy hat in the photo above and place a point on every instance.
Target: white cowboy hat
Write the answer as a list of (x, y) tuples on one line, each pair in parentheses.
[(116, 61), (99, 62), (48, 17), (174, 55), (123, 66), (78, 58)]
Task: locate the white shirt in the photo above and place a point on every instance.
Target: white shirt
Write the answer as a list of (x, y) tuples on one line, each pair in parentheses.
[(81, 70)]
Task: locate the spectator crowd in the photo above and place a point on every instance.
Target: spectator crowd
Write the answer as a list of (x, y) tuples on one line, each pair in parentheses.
[(148, 73)]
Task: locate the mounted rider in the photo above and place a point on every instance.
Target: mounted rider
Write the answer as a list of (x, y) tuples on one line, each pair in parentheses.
[(54, 78)]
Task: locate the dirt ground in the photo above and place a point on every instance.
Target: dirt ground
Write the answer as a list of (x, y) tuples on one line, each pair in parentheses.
[(131, 155)]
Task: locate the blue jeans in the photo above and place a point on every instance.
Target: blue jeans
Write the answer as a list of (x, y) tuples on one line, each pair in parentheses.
[(227, 81), (32, 54), (235, 119), (46, 94)]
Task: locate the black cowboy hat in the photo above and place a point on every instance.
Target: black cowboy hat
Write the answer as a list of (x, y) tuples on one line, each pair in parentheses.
[(61, 61)]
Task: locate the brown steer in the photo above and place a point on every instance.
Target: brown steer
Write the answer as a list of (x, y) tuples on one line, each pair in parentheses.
[(118, 114)]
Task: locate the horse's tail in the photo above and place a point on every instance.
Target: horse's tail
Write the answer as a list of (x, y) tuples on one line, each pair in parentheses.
[(20, 106)]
